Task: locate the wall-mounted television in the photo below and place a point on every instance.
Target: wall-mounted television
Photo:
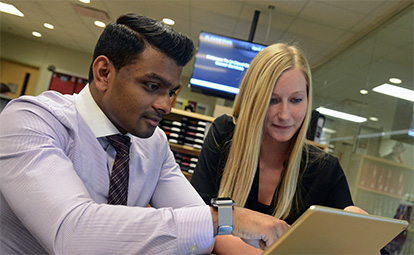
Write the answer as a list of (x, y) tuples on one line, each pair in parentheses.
[(220, 64)]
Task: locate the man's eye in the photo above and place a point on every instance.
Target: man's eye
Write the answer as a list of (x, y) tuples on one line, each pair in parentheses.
[(172, 93), (152, 87)]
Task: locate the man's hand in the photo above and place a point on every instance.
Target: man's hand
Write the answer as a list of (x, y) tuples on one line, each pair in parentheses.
[(257, 229)]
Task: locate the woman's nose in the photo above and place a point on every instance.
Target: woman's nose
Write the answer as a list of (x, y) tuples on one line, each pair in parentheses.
[(283, 111)]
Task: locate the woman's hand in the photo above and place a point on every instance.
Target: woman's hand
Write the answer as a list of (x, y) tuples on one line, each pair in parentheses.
[(355, 209), (261, 230)]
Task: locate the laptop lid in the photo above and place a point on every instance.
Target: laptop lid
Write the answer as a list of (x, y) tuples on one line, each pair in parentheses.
[(324, 230)]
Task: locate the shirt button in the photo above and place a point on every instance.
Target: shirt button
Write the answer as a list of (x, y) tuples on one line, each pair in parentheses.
[(193, 248)]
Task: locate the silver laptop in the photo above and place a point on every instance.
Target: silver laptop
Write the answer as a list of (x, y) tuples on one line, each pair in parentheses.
[(324, 230)]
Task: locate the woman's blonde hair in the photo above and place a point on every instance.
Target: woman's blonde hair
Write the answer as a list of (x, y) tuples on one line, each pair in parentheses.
[(249, 112)]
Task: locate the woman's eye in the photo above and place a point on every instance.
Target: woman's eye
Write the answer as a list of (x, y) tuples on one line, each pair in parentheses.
[(296, 100), (274, 101)]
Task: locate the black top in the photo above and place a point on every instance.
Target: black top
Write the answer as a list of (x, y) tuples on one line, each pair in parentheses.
[(322, 182)]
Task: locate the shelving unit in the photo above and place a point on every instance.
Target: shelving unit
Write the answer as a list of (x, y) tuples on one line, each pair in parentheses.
[(180, 113), (186, 153), (379, 185)]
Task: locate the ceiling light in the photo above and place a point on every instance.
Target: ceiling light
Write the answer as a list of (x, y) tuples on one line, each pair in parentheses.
[(99, 23), (363, 91), (395, 91), (10, 9), (47, 25), (395, 80), (341, 115), (85, 1), (373, 118), (37, 34), (168, 21)]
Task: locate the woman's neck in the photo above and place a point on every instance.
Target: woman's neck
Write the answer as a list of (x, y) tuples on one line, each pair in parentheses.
[(272, 157), (273, 153)]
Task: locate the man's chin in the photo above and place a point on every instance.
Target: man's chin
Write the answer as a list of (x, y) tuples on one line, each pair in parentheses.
[(144, 134)]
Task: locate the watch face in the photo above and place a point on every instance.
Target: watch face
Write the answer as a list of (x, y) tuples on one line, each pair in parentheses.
[(222, 201), (223, 198)]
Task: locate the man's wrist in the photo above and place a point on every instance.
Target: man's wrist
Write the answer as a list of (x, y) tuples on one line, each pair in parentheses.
[(224, 207), (214, 216)]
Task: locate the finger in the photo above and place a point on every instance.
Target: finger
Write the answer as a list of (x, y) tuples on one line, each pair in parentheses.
[(262, 245), (253, 242)]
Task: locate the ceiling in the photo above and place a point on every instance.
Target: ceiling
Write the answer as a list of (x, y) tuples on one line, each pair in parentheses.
[(323, 29)]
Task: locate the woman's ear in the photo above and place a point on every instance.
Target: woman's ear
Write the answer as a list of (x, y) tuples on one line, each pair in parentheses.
[(102, 69)]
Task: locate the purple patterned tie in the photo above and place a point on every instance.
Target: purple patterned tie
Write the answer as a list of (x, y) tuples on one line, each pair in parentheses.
[(118, 187)]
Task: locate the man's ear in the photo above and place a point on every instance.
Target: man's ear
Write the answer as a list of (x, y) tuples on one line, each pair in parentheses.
[(102, 70)]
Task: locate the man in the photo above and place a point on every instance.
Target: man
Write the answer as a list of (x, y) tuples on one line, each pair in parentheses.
[(58, 159)]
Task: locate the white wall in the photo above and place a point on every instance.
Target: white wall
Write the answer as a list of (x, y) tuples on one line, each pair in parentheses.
[(41, 55)]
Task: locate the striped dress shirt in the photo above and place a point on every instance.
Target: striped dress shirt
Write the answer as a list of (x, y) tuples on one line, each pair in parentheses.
[(54, 178)]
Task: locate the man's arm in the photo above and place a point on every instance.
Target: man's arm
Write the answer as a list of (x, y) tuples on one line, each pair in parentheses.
[(51, 202), (261, 230)]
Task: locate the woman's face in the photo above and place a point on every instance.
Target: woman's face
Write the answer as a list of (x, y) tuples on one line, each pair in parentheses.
[(287, 107)]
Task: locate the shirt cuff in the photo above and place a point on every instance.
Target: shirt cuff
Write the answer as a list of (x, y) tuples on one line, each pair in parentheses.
[(195, 230)]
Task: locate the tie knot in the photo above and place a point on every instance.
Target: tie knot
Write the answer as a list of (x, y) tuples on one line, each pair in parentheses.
[(120, 143)]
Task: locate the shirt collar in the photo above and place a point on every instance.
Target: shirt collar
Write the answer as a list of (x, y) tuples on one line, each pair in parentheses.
[(94, 117)]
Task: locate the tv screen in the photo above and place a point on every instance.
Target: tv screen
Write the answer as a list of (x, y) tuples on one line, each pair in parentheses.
[(220, 64)]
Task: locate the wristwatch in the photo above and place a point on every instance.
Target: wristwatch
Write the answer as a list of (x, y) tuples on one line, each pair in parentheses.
[(224, 206)]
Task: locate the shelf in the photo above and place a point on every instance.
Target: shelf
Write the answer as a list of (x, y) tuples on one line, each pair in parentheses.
[(192, 115), (187, 175), (185, 149), (386, 161), (379, 192)]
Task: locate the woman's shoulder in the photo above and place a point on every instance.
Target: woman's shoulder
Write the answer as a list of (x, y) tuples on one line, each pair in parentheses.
[(316, 155), (318, 161), (223, 128), (224, 119), (224, 123)]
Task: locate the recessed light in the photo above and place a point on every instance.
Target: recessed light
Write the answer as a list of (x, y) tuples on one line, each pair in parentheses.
[(395, 80), (85, 1), (10, 9), (363, 91), (47, 25), (99, 23), (341, 115), (395, 91), (373, 118), (36, 34), (168, 21)]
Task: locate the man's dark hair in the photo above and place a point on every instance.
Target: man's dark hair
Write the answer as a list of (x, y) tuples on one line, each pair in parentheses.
[(122, 41)]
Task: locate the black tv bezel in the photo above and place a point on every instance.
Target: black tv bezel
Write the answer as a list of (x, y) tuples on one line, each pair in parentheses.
[(215, 92)]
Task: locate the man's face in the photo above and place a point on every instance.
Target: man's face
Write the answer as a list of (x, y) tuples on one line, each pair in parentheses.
[(138, 95)]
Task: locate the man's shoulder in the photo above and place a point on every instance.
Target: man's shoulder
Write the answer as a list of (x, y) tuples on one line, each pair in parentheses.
[(48, 105), (48, 100)]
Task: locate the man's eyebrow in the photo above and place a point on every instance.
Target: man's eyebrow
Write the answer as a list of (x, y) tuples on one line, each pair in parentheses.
[(161, 79)]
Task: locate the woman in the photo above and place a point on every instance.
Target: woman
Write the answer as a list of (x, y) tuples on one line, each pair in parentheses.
[(258, 156)]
